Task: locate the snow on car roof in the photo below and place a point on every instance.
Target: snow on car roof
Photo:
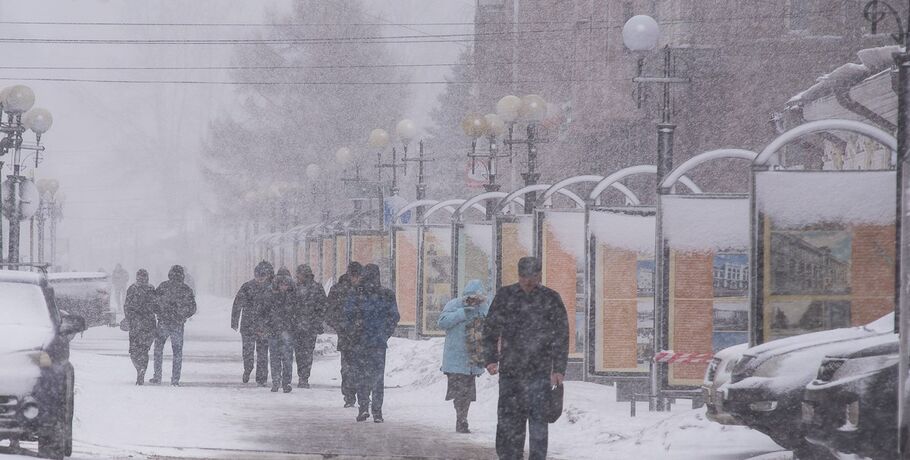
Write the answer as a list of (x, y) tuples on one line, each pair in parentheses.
[(16, 276), (790, 344), (64, 276)]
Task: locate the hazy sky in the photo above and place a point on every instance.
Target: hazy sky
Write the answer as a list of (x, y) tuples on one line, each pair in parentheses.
[(125, 153)]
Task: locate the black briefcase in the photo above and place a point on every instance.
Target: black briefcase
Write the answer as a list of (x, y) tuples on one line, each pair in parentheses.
[(554, 403)]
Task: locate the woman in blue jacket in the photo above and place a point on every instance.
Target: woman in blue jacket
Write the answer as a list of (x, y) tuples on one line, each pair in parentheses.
[(462, 359)]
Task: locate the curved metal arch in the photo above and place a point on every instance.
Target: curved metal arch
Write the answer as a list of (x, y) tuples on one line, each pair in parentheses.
[(449, 204), (632, 171), (705, 157), (561, 185), (834, 124), (412, 205), (516, 195), (456, 216)]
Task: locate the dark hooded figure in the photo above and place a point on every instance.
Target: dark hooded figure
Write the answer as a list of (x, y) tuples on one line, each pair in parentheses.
[(281, 324), (176, 304), (311, 297), (526, 341), (251, 305), (338, 296), (140, 309), (370, 317)]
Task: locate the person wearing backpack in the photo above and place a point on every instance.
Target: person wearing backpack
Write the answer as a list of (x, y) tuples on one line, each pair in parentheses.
[(176, 304), (462, 358)]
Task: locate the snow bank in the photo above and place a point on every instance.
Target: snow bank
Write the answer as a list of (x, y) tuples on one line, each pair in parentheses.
[(705, 224), (621, 230), (797, 199)]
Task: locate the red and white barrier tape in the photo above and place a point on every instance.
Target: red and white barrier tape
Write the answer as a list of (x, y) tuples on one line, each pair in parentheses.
[(671, 357)]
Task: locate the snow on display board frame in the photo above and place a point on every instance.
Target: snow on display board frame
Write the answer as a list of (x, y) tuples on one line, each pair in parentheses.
[(819, 220)]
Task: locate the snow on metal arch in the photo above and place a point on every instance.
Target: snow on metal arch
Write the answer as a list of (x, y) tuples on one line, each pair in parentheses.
[(448, 204), (561, 185), (456, 216), (632, 171), (412, 205), (834, 124), (677, 174)]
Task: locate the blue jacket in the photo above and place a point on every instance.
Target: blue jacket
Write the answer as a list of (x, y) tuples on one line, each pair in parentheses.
[(370, 317), (454, 318)]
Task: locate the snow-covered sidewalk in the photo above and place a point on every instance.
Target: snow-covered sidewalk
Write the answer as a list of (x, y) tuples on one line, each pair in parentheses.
[(213, 415)]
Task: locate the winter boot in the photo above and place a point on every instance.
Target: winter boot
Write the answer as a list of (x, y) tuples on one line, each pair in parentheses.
[(246, 377), (303, 384), (287, 388), (140, 377), (364, 413), (461, 416), (155, 380), (377, 417), (275, 387)]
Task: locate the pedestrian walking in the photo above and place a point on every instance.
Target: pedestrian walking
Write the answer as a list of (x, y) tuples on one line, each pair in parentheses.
[(338, 297), (281, 323), (119, 279), (529, 322), (312, 300), (462, 359), (176, 304), (251, 304), (371, 316), (140, 308)]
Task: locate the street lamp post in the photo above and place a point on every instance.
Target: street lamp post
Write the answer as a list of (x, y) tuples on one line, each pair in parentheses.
[(47, 189), (532, 109), (490, 126), (407, 131), (17, 102), (640, 34)]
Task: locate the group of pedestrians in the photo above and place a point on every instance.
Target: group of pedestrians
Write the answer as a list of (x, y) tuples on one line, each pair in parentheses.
[(281, 313), (155, 315), (279, 317)]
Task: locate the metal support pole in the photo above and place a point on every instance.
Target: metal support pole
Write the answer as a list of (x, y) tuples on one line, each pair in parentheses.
[(902, 60), (421, 180), (15, 219), (41, 217), (54, 217), (531, 177)]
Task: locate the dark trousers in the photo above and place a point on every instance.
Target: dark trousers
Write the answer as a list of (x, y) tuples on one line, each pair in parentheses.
[(140, 343), (175, 333), (522, 401), (304, 344), (281, 358), (258, 345), (370, 370), (348, 376)]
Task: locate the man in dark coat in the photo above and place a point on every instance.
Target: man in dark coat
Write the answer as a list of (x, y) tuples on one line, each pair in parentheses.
[(312, 301), (251, 305), (338, 296), (281, 323), (370, 317), (140, 308), (176, 304), (529, 321)]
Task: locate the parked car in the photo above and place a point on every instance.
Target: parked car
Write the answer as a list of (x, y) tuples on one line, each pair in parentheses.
[(36, 377), (766, 387), (851, 406), (719, 371), (87, 294)]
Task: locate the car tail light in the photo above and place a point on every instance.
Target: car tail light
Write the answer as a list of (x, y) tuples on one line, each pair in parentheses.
[(852, 416), (828, 368)]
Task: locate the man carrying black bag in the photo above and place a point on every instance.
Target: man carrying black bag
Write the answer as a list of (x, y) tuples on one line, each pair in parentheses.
[(531, 322)]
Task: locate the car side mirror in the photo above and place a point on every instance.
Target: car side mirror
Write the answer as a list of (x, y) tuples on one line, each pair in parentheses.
[(71, 324)]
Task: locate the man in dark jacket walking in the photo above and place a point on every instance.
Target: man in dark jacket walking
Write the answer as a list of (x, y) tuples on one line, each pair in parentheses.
[(176, 304), (312, 304), (338, 296), (140, 308), (281, 324), (370, 316), (249, 314), (530, 322)]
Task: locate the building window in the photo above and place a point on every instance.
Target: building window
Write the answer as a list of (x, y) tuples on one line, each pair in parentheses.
[(798, 14)]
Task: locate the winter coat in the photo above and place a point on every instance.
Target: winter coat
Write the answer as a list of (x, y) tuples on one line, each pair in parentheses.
[(140, 308), (370, 316), (454, 319), (176, 301), (284, 310), (251, 307), (334, 315), (533, 328), (312, 308)]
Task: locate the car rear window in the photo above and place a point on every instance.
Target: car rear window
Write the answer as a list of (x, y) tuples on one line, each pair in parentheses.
[(23, 304)]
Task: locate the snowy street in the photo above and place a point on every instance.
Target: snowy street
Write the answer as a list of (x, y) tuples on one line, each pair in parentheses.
[(213, 415)]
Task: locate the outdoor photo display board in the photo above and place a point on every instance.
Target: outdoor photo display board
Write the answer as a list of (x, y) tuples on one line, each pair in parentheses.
[(562, 254), (826, 240), (515, 240), (405, 240), (621, 284), (706, 238), (435, 277), (474, 259), (328, 260), (371, 247), (341, 254)]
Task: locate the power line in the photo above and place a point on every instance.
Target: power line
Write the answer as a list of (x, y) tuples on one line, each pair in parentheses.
[(286, 67), (295, 83)]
